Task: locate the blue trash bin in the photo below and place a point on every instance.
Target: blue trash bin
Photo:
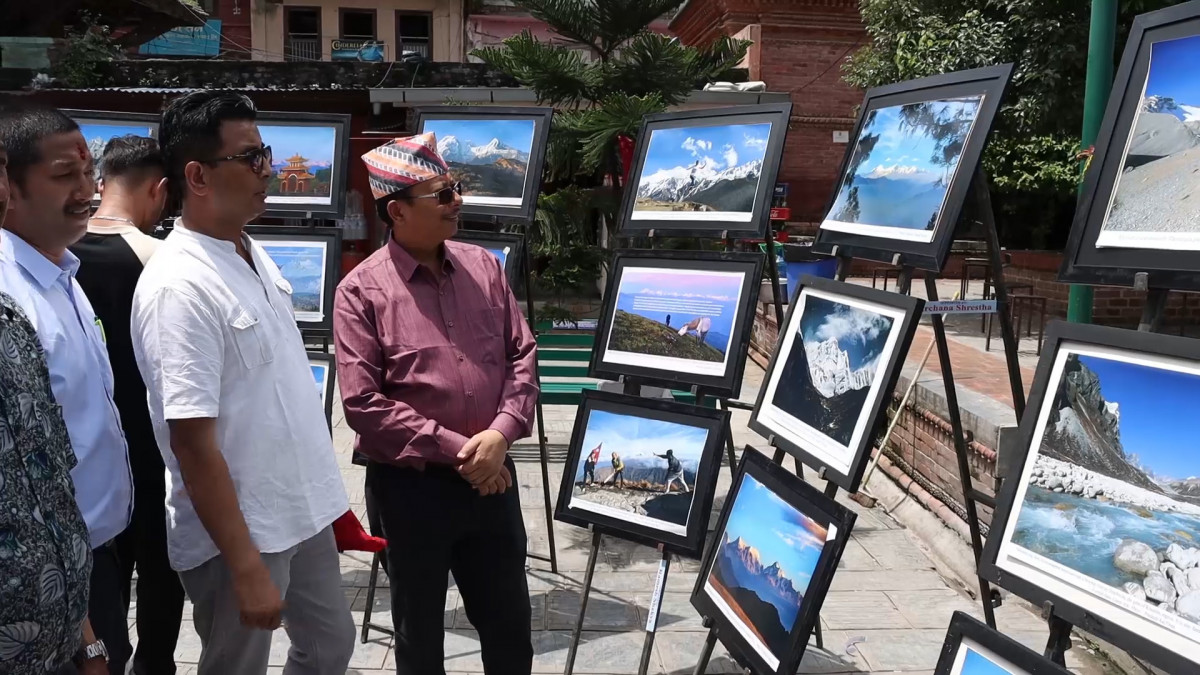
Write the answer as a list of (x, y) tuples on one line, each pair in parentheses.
[(800, 260)]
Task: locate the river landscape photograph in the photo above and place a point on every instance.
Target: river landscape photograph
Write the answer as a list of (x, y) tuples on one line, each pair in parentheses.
[(1156, 201), (904, 160), (1111, 501), (639, 469)]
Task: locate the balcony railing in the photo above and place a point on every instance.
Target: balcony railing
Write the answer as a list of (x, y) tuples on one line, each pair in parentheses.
[(302, 47)]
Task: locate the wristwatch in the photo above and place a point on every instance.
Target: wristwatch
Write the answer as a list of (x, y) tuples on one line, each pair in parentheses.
[(92, 651)]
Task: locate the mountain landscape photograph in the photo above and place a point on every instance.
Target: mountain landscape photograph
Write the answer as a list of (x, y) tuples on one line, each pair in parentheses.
[(303, 265), (677, 313), (1157, 190), (761, 572), (711, 170), (904, 160), (640, 492), (833, 361), (489, 157), (1113, 492), (302, 162)]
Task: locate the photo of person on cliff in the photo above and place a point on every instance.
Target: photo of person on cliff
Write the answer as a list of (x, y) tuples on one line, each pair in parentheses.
[(828, 373), (1109, 504), (674, 319), (634, 485)]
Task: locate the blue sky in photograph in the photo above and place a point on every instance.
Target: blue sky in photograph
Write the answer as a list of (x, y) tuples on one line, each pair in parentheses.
[(633, 437), (1160, 414), (500, 253), (302, 266), (978, 664), (905, 154), (1173, 66), (316, 144), (514, 133), (861, 334), (109, 131), (725, 146), (775, 529), (712, 289), (318, 373)]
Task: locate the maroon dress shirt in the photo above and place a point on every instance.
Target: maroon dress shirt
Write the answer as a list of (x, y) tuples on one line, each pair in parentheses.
[(426, 361)]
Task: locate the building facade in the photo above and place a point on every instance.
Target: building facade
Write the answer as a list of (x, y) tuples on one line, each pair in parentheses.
[(799, 48)]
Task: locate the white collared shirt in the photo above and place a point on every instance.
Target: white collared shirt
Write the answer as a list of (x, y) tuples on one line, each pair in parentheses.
[(81, 380), (215, 339)]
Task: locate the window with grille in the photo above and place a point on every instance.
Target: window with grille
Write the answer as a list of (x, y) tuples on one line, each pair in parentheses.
[(414, 33)]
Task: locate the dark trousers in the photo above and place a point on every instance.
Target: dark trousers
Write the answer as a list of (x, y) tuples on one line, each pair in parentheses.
[(143, 545), (106, 608), (437, 524)]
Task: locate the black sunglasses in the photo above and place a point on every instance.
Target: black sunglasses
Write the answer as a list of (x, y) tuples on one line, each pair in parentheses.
[(444, 196), (255, 159)]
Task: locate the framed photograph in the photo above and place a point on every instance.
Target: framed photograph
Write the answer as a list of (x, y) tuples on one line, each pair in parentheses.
[(706, 172), (100, 127), (1101, 514), (310, 259), (497, 153), (324, 370), (766, 570), (310, 161), (643, 469), (506, 246), (678, 318), (1139, 211), (908, 170), (832, 373), (972, 648)]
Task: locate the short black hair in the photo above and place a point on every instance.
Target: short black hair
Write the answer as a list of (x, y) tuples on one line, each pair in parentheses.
[(381, 204), (130, 155), (191, 129), (24, 125)]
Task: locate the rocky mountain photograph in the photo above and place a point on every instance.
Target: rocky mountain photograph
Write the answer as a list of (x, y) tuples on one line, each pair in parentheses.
[(702, 169), (1157, 190), (762, 570), (1113, 490), (489, 157), (903, 162), (639, 491), (828, 372)]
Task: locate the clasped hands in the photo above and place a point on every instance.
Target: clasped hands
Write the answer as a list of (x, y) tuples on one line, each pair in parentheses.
[(481, 462)]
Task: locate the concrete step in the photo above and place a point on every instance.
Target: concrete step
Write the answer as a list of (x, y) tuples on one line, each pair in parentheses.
[(563, 354)]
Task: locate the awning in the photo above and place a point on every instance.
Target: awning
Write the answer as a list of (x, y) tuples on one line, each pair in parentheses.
[(517, 96)]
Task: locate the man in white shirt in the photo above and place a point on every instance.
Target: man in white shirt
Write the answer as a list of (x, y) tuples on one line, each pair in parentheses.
[(50, 171), (253, 484)]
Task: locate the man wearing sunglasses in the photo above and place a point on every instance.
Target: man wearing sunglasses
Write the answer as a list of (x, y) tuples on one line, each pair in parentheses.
[(436, 370), (253, 486)]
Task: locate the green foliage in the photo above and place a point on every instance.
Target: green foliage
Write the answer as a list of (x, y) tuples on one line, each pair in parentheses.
[(88, 45), (603, 74), (634, 333), (1031, 158)]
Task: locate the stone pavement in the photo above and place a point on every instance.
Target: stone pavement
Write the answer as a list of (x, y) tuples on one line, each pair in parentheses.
[(887, 610)]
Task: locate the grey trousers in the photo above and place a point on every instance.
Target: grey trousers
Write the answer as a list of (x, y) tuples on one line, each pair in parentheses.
[(316, 615)]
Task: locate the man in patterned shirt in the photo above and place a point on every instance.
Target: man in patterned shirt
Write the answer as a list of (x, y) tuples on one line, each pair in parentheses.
[(45, 559)]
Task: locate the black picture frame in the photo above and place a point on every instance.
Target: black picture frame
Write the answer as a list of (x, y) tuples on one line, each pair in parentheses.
[(815, 506), (1037, 583), (513, 261), (540, 116), (809, 444), (124, 121), (330, 387), (991, 83), (689, 543), (968, 632), (328, 237), (777, 114), (1083, 261), (667, 373), (340, 123)]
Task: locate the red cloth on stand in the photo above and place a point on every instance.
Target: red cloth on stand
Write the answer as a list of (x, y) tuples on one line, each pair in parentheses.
[(349, 534)]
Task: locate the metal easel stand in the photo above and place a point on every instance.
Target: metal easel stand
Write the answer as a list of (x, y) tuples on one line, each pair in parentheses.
[(1059, 640), (710, 643)]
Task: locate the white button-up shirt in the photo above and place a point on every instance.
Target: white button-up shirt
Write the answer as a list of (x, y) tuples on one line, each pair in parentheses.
[(80, 377), (213, 338)]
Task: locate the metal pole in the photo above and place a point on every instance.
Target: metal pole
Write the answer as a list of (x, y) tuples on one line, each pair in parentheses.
[(1102, 40), (577, 634)]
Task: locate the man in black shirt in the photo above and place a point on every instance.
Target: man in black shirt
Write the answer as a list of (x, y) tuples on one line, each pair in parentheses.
[(112, 255)]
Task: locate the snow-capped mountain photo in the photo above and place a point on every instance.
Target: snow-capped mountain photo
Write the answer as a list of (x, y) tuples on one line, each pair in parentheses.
[(712, 169), (1156, 191), (489, 157), (833, 361)]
